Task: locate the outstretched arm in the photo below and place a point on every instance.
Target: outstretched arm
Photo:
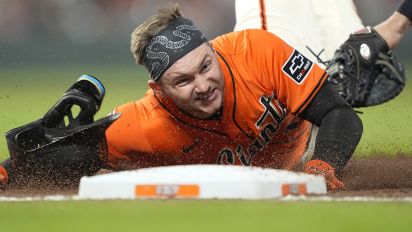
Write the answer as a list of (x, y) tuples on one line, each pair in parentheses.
[(364, 70), (340, 130), (393, 28)]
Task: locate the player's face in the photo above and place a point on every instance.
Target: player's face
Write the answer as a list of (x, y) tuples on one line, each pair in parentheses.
[(195, 83)]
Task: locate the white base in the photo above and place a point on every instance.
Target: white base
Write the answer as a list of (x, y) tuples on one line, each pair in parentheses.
[(200, 182)]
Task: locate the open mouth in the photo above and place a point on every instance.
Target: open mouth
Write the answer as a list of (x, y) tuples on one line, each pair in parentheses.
[(209, 97)]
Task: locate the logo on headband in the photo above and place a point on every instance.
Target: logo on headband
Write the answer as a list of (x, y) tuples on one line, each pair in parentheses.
[(170, 44)]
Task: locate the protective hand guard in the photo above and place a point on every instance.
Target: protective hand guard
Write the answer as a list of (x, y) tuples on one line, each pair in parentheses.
[(364, 71), (60, 148)]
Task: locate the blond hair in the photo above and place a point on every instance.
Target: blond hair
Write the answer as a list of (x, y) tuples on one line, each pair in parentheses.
[(142, 35)]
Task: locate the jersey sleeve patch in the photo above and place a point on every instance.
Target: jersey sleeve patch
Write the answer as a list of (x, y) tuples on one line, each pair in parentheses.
[(297, 67)]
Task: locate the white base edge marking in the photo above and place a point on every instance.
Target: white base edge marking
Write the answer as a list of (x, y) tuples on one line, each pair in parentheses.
[(286, 198)]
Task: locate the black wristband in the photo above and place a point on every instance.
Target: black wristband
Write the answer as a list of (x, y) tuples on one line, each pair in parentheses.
[(405, 8)]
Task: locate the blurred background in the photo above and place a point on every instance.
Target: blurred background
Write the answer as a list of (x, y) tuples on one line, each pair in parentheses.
[(93, 31), (98, 31), (45, 45)]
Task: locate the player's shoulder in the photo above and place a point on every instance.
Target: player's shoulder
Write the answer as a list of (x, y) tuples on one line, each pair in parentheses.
[(145, 108), (241, 41)]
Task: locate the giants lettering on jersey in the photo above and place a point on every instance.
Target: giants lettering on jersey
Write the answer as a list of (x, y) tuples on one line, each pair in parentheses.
[(297, 67), (267, 124)]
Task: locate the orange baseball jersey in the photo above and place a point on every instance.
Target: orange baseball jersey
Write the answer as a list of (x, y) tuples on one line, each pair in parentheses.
[(267, 83)]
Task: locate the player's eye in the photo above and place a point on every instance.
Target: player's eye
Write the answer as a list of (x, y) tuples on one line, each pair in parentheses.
[(206, 66), (182, 82)]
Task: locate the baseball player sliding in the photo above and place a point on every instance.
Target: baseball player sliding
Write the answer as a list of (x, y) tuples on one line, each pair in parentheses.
[(244, 98)]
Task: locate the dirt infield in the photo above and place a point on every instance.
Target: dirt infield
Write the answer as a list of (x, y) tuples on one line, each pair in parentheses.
[(379, 176)]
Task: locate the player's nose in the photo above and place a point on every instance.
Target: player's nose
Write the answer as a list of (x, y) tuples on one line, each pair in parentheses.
[(202, 84)]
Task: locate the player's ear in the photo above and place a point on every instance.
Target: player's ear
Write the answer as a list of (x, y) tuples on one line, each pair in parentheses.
[(155, 86)]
